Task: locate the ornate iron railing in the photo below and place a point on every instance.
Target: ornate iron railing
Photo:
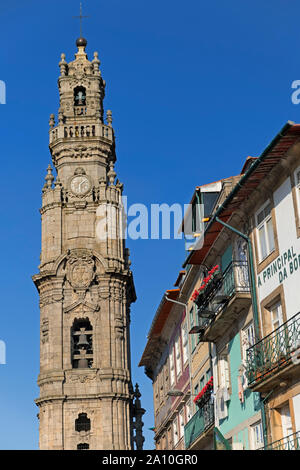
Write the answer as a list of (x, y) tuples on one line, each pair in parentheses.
[(274, 351), (234, 279), (291, 442), (199, 423)]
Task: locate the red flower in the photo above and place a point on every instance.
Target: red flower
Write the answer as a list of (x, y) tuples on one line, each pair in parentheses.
[(204, 389)]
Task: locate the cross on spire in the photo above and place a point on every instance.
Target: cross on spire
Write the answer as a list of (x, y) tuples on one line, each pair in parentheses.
[(80, 19)]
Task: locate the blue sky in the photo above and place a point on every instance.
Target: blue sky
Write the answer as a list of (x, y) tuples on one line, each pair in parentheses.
[(195, 87)]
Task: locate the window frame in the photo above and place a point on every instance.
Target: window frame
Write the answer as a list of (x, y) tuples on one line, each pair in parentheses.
[(188, 410), (257, 444), (192, 323), (245, 339), (172, 367), (264, 224), (178, 357), (297, 189), (181, 423), (279, 312), (175, 430), (185, 343)]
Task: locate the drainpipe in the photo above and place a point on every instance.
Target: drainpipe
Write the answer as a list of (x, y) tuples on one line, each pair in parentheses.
[(255, 310)]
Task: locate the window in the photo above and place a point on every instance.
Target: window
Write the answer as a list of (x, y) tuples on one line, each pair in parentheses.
[(248, 339), (276, 315), (297, 186), (286, 423), (196, 390), (257, 436), (175, 431), (185, 343), (82, 423), (196, 216), (172, 368), (166, 373), (178, 356), (208, 375), (82, 344), (193, 343), (280, 341), (83, 446), (202, 382), (79, 96), (156, 393), (297, 178), (188, 410), (265, 233), (181, 424)]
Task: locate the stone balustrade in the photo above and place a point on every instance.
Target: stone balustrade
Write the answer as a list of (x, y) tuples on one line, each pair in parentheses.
[(81, 131)]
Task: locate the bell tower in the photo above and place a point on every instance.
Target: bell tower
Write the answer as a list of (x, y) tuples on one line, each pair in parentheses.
[(84, 282)]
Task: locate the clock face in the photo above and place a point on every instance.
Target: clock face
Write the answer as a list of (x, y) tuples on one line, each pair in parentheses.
[(80, 185)]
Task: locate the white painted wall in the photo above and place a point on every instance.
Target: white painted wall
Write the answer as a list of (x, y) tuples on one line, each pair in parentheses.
[(296, 404), (287, 240)]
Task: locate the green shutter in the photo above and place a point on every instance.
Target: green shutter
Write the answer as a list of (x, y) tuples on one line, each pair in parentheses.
[(226, 258)]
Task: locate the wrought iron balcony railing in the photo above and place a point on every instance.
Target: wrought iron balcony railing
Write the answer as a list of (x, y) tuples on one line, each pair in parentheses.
[(199, 423), (233, 280), (291, 442), (273, 352)]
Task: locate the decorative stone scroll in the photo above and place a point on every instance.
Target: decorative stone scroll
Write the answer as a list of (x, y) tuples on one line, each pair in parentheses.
[(82, 378)]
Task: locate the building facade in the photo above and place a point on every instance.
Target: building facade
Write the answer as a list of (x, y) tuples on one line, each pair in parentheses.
[(166, 363), (223, 307), (84, 282), (274, 360), (254, 324), (243, 305)]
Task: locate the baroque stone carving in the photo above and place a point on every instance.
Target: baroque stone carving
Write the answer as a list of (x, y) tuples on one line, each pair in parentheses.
[(80, 268), (45, 330), (83, 378)]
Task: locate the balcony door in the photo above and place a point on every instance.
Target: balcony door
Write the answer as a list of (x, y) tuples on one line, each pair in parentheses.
[(241, 269), (276, 315), (279, 338), (287, 428), (228, 279)]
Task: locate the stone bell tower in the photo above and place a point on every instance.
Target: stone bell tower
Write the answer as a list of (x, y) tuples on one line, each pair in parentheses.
[(84, 281)]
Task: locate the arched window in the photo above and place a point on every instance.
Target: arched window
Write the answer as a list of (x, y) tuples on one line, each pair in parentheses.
[(83, 446), (82, 344), (82, 423), (79, 96)]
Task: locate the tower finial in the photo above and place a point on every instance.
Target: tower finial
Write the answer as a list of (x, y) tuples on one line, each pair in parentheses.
[(81, 41)]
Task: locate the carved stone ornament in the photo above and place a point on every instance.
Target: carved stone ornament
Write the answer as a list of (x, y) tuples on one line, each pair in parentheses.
[(80, 269), (82, 378), (45, 330)]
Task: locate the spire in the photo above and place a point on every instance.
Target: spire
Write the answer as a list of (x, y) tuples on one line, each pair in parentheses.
[(81, 41)]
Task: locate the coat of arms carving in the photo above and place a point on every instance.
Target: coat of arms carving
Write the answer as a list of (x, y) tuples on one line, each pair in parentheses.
[(80, 268)]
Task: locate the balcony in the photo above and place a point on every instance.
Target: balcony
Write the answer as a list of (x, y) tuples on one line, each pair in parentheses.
[(271, 359), (198, 431), (291, 442), (222, 302), (63, 131)]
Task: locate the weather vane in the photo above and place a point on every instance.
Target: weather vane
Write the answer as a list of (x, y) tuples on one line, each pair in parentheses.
[(80, 19)]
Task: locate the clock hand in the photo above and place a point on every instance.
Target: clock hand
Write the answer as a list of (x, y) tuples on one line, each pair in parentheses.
[(82, 181)]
